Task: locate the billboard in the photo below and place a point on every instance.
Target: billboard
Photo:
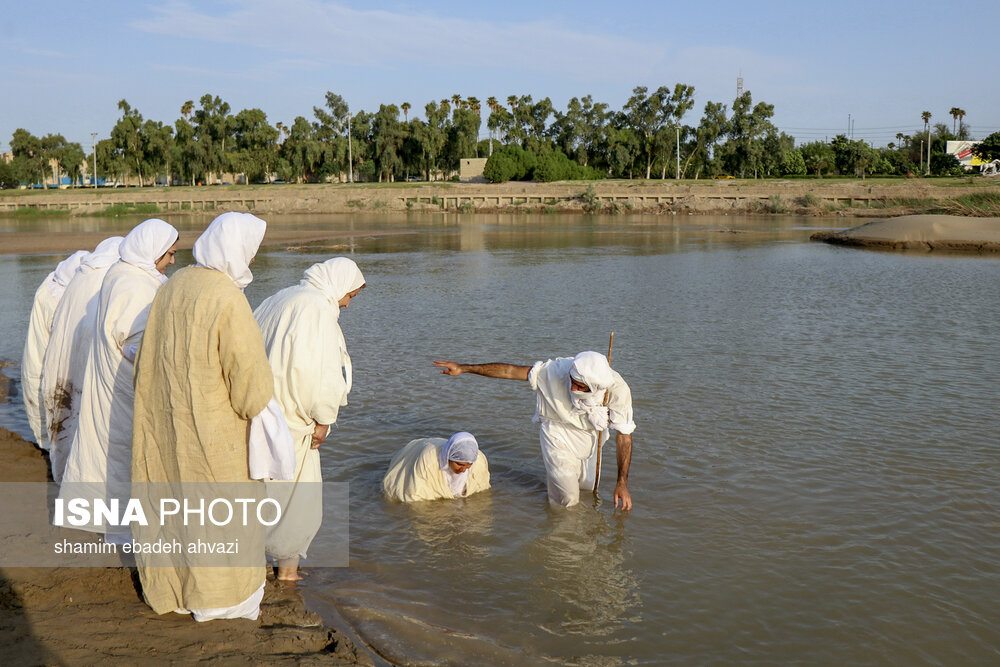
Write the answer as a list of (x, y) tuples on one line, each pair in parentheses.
[(963, 151)]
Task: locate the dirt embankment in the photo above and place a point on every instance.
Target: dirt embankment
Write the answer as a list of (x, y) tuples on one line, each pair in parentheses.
[(842, 197), (86, 616)]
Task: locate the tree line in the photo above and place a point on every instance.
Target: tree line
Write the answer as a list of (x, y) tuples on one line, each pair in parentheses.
[(527, 139)]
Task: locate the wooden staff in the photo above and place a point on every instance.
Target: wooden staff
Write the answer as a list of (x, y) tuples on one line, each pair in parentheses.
[(600, 435)]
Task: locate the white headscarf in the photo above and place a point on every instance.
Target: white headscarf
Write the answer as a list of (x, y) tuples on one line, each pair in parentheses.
[(105, 254), (334, 278), (461, 447), (229, 244), (146, 243), (63, 273), (593, 370)]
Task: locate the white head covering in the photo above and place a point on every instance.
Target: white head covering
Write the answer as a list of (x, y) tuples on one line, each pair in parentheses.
[(334, 277), (461, 447), (105, 254), (593, 370), (64, 271), (146, 243), (229, 244)]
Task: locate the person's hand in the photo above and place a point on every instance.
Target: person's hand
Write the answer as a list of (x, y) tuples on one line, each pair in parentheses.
[(622, 494), (449, 367), (319, 435)]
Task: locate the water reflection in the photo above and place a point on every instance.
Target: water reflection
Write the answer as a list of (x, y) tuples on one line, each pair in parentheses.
[(582, 583)]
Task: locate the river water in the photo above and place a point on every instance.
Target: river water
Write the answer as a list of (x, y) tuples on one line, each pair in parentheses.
[(816, 461)]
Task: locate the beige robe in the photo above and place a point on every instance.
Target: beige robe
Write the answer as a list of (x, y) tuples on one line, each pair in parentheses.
[(415, 473), (201, 375)]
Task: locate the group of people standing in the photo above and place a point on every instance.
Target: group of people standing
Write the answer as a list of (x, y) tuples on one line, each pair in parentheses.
[(129, 377)]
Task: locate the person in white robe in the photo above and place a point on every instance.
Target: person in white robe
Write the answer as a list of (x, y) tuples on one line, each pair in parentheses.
[(100, 455), (578, 400), (437, 468), (65, 360), (43, 308), (312, 378)]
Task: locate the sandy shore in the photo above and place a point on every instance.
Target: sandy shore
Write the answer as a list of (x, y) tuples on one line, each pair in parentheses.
[(939, 233), (85, 616)]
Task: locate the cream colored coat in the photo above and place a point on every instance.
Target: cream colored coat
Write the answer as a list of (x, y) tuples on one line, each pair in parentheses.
[(415, 473), (201, 375)]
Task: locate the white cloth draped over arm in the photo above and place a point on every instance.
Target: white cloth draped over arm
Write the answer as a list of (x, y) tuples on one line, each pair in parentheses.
[(272, 451)]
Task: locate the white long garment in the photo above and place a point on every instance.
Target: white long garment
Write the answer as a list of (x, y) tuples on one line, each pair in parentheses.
[(43, 308), (306, 350), (568, 439), (65, 361), (101, 449)]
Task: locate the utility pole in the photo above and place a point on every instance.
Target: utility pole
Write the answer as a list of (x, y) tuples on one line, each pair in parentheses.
[(928, 149), (350, 156), (677, 176), (921, 155), (93, 177)]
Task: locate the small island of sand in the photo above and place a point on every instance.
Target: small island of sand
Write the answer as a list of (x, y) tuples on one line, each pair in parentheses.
[(947, 233)]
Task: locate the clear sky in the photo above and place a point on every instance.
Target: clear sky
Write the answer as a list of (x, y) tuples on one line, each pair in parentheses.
[(880, 62)]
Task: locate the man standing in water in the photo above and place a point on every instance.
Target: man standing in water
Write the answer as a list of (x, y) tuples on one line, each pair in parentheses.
[(578, 400)]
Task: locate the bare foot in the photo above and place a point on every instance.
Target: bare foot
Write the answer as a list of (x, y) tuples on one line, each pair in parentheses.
[(289, 574)]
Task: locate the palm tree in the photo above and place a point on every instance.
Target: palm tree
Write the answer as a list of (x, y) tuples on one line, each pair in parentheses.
[(491, 102), (926, 115), (405, 106), (961, 115), (953, 112), (891, 146), (456, 100), (900, 136), (512, 102), (187, 108)]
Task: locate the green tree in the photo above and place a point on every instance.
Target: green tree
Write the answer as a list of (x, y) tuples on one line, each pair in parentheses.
[(853, 156), (187, 154), (301, 151), (819, 157), (388, 135), (255, 145), (30, 161), (213, 127), (510, 163), (743, 151), (712, 126), (126, 137), (70, 157)]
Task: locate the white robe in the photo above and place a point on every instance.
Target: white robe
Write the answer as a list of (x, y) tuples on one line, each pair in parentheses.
[(308, 356), (39, 330), (65, 362), (568, 439), (101, 449), (43, 308)]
